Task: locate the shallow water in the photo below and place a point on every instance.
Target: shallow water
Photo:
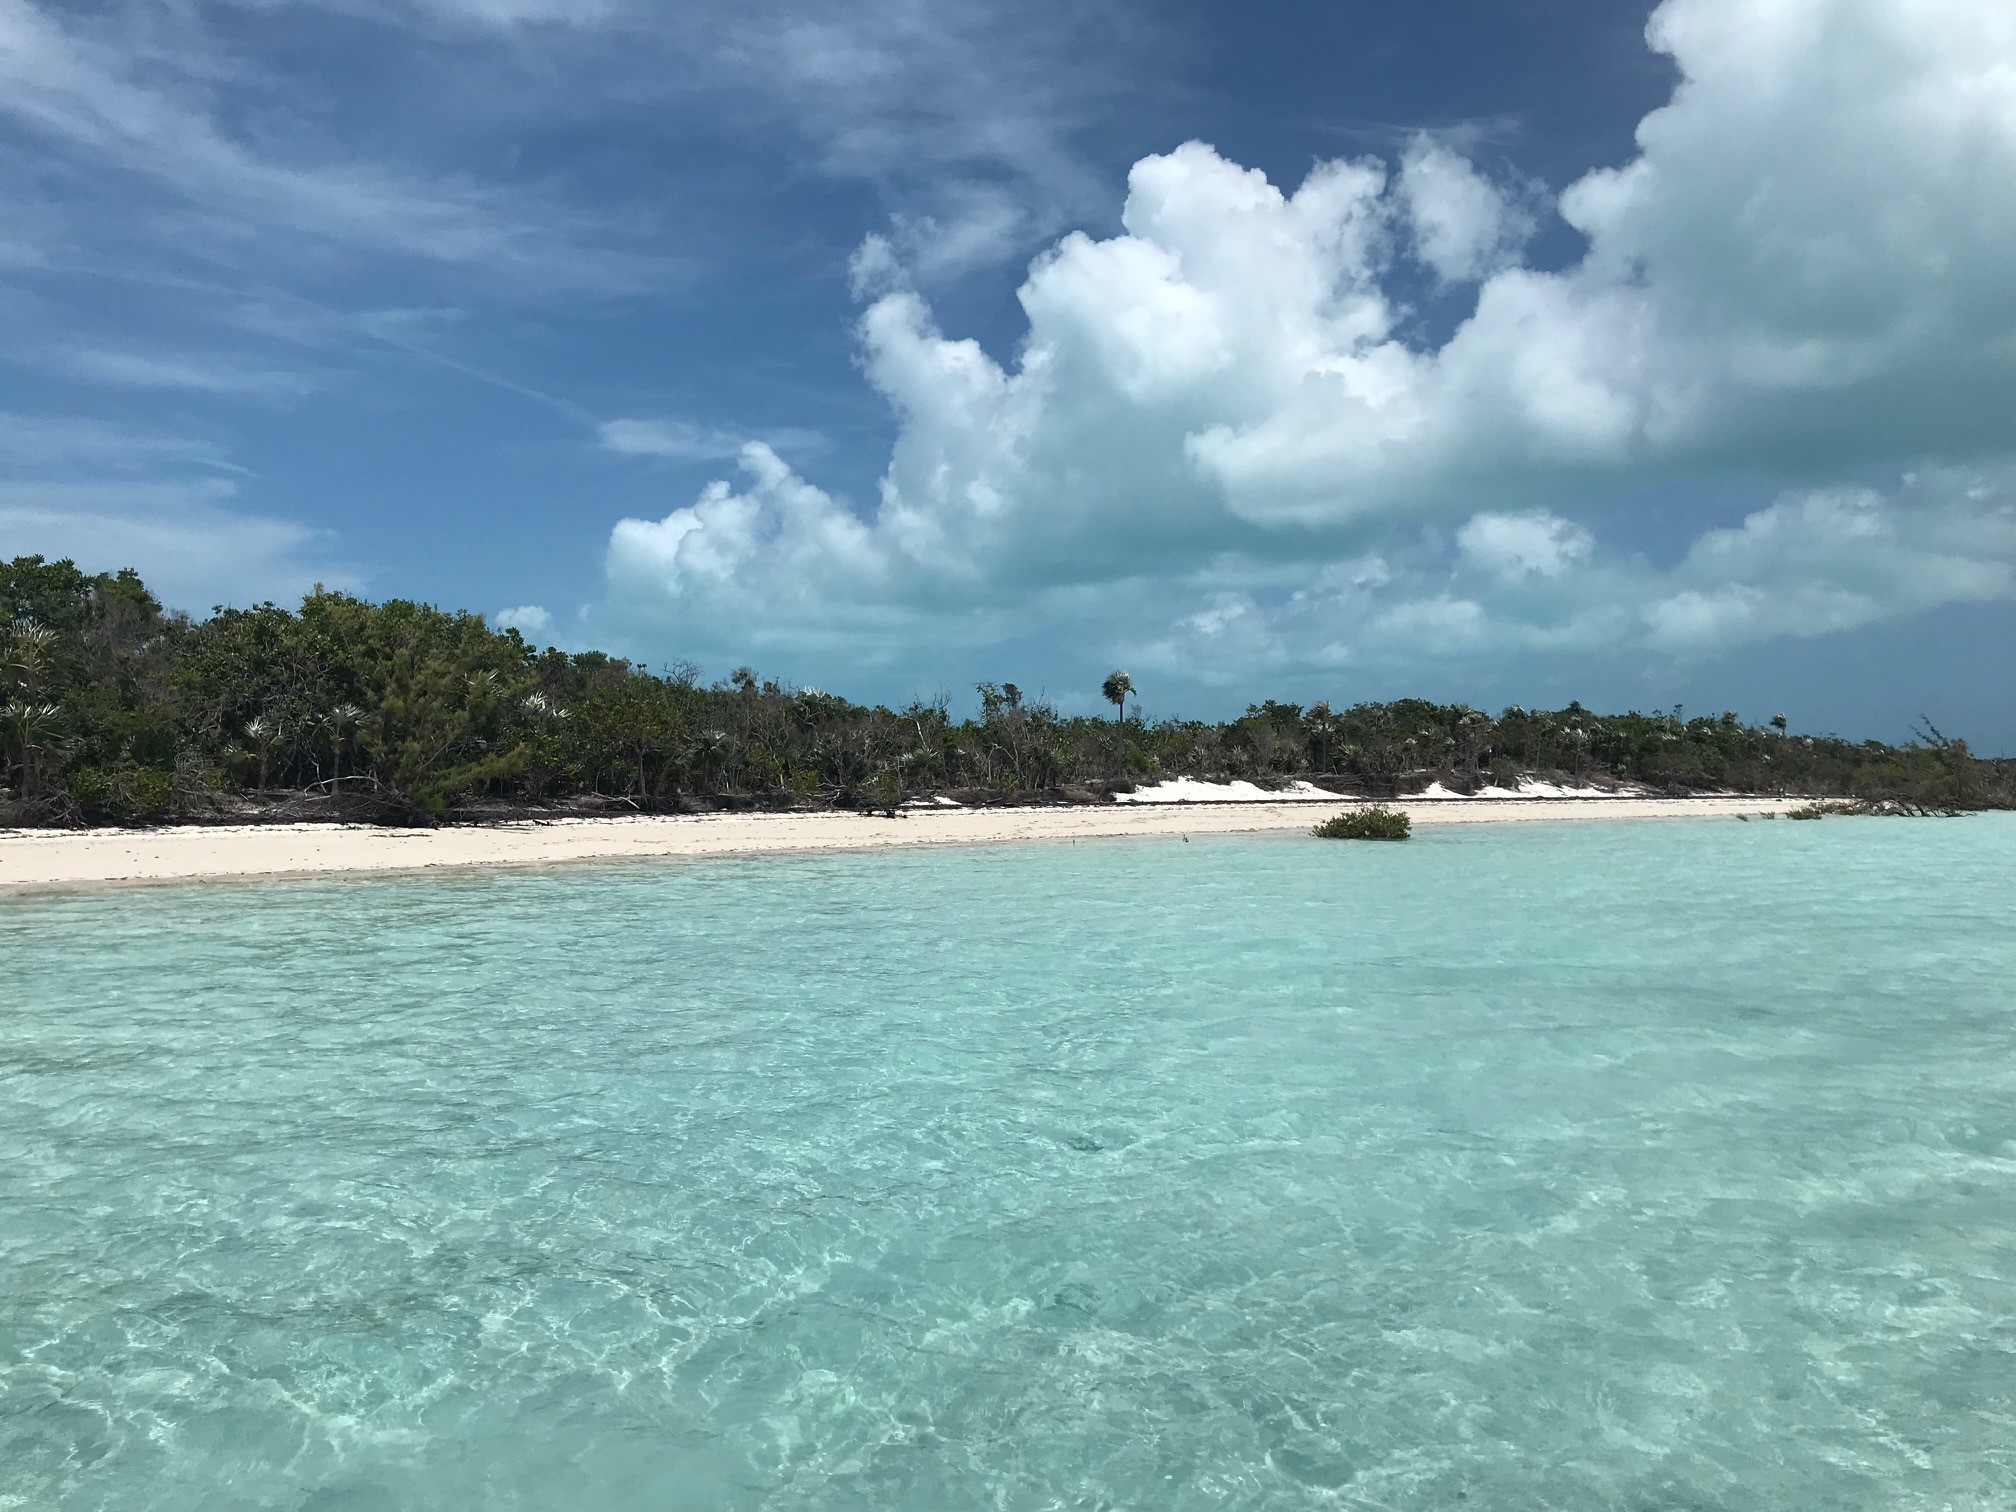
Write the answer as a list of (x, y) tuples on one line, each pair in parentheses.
[(1633, 1166)]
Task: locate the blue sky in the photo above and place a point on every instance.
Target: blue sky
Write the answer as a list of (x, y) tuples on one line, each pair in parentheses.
[(1505, 352)]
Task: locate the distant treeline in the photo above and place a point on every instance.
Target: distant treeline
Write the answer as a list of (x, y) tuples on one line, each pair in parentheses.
[(112, 710)]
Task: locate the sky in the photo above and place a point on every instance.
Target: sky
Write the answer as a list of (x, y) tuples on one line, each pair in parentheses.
[(1497, 351)]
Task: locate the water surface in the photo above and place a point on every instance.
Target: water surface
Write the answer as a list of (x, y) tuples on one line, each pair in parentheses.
[(1604, 1166)]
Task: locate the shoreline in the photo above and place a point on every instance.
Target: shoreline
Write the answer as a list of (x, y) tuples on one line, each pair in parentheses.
[(42, 861)]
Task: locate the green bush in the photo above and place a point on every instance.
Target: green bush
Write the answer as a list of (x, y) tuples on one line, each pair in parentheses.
[(1880, 808), (1375, 823), (146, 793), (1825, 807), (122, 795), (89, 790)]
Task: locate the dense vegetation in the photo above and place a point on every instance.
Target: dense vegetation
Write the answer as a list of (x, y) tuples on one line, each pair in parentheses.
[(1374, 822), (112, 710)]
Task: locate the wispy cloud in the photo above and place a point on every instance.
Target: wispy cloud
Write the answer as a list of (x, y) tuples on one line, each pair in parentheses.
[(668, 438), (684, 440), (195, 373), (137, 104), (966, 118), (193, 548), (42, 442), (1469, 135)]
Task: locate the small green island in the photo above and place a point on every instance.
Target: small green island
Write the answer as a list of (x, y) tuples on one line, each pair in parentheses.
[(115, 711)]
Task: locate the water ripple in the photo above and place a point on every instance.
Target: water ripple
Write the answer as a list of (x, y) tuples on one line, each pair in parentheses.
[(1604, 1167)]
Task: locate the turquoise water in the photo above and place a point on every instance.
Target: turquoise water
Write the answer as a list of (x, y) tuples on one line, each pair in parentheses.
[(1653, 1166)]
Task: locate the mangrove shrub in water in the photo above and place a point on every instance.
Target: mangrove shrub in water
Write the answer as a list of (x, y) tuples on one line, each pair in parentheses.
[(1375, 823)]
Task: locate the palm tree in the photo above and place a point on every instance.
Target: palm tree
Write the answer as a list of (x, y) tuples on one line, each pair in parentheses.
[(1578, 746), (711, 752), (1116, 690), (265, 733), (28, 655), (1471, 728), (1321, 724), (33, 729), (1778, 723), (341, 723)]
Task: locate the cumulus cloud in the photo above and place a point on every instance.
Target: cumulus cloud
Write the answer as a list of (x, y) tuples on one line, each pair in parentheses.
[(1464, 226), (529, 620), (1810, 563), (1802, 275), (774, 562), (1837, 559), (1520, 545)]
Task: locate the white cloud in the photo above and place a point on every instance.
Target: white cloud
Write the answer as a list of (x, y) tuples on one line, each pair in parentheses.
[(529, 620), (875, 269), (777, 561), (204, 374), (1464, 226), (513, 13), (689, 441), (1804, 274), (1521, 545), (110, 496), (1838, 559), (38, 442), (668, 438), (961, 117), (192, 549), (134, 103), (1809, 564)]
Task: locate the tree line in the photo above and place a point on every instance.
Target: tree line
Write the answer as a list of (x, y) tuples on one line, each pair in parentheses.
[(114, 710)]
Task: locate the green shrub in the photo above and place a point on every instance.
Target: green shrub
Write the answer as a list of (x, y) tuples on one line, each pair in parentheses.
[(122, 795), (1881, 808), (89, 790), (1825, 807), (146, 793), (1375, 823)]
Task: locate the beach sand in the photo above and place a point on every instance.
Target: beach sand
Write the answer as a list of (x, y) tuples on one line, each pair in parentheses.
[(43, 860)]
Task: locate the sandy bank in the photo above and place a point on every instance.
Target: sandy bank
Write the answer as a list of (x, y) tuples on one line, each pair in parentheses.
[(44, 860)]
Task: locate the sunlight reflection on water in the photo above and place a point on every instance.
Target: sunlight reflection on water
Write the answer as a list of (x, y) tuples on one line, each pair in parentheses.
[(1581, 1166)]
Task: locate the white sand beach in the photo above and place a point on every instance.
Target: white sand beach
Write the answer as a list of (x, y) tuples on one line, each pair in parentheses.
[(42, 860)]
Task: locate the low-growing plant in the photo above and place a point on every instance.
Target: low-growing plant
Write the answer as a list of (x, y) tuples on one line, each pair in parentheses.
[(884, 791), (122, 795), (1375, 823), (1879, 808), (1826, 807)]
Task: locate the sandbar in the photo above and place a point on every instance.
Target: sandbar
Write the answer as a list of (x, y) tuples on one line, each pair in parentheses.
[(64, 860)]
